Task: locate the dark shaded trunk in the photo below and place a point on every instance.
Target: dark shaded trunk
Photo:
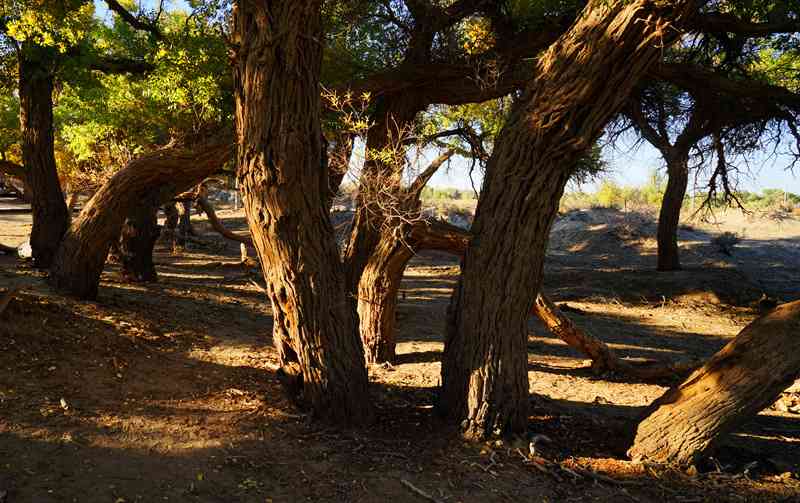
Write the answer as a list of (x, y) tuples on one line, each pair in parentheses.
[(185, 229), (582, 80), (83, 251), (137, 240), (743, 378), (171, 218), (670, 214), (50, 215), (285, 193)]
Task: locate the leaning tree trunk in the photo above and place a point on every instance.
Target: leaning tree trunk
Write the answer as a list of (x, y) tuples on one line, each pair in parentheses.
[(743, 378), (83, 251), (669, 217), (137, 240), (582, 80), (50, 215), (284, 190)]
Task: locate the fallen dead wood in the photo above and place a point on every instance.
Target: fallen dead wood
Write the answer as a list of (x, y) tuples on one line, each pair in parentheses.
[(216, 223), (8, 249), (603, 358)]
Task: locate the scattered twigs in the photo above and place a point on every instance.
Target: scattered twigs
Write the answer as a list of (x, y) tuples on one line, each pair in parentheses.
[(6, 299), (419, 492)]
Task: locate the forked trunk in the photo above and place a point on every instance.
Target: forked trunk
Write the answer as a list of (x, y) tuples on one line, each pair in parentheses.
[(582, 80), (669, 217), (284, 190), (50, 216), (139, 235), (83, 251), (392, 118), (743, 378)]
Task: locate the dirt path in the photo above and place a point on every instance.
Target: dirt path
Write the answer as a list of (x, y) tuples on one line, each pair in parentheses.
[(167, 392)]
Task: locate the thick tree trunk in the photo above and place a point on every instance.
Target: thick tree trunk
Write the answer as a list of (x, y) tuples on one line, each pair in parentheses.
[(669, 217), (743, 378), (83, 251), (50, 216), (138, 237), (582, 80), (284, 191)]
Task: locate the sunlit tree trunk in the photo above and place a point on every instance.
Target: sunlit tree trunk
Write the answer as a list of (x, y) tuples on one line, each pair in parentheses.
[(743, 378), (284, 188), (50, 215), (582, 80)]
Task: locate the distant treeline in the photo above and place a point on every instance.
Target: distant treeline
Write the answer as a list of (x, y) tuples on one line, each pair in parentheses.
[(610, 194)]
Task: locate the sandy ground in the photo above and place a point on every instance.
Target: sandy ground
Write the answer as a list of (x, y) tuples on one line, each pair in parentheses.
[(167, 392)]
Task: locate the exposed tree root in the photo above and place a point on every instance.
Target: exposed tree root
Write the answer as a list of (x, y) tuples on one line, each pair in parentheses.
[(603, 358)]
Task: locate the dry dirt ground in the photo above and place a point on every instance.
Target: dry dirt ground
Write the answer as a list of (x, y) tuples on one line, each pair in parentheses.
[(167, 391)]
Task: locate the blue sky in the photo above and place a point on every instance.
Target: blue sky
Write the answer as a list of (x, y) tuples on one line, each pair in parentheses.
[(627, 166), (634, 167)]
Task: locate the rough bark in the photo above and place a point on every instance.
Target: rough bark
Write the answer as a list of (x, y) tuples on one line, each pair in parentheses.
[(743, 378), (582, 80), (82, 254), (50, 215), (137, 240), (284, 189), (670, 214)]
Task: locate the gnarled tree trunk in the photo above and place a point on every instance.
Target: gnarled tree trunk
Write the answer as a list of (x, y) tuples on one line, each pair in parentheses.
[(50, 216), (137, 239), (582, 80), (670, 214), (83, 251), (743, 378), (284, 188)]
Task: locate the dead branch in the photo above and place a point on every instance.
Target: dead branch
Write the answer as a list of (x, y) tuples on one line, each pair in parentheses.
[(603, 358), (7, 249), (217, 224)]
